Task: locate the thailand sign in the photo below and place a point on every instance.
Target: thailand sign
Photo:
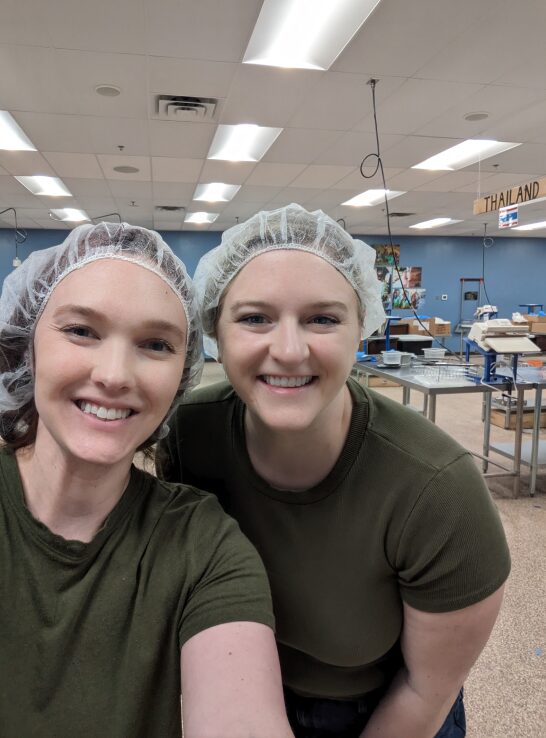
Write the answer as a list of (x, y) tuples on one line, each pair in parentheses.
[(515, 196)]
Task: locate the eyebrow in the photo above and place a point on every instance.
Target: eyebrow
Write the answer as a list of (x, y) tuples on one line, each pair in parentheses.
[(262, 305), (91, 314)]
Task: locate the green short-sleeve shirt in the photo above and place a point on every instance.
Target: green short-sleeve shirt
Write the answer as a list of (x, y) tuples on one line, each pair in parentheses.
[(91, 633), (404, 516)]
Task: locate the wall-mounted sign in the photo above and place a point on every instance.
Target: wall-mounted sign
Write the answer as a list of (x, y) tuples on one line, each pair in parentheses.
[(508, 217), (515, 196)]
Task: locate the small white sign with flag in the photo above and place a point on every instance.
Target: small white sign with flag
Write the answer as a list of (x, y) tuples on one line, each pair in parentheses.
[(508, 217)]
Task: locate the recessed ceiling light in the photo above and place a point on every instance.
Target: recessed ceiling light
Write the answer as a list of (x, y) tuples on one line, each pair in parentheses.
[(200, 217), (434, 223), (466, 153), (305, 34), (471, 117), (45, 186), (69, 215), (245, 142), (108, 90), (371, 197), (530, 226), (12, 137), (216, 192), (124, 169)]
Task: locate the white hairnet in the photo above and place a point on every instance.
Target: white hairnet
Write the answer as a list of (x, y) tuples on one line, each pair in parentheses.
[(27, 289), (290, 227)]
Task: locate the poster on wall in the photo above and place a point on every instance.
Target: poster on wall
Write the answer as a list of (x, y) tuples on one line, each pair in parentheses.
[(386, 255), (410, 277), (384, 274), (411, 298)]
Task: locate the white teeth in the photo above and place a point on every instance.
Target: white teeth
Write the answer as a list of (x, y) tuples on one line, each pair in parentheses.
[(287, 381), (104, 413)]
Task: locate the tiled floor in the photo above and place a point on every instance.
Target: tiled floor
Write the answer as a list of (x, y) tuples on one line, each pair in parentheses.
[(506, 691)]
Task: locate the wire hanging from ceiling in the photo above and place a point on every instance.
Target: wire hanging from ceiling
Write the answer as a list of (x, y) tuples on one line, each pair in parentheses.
[(20, 235)]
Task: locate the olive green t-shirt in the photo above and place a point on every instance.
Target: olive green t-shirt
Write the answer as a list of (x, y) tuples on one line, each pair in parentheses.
[(404, 516), (91, 633)]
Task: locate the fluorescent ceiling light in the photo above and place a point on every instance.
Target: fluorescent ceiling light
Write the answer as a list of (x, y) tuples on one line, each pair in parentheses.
[(434, 223), (70, 215), (48, 186), (200, 217), (12, 137), (371, 197), (530, 226), (245, 142), (305, 34), (466, 153), (216, 192)]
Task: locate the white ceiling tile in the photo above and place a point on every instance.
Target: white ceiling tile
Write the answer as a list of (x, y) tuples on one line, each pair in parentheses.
[(269, 174), (142, 163), (289, 195), (300, 146), (226, 171), (399, 37), (193, 77), (173, 193), (26, 22), (208, 29), (25, 163), (31, 80), (82, 71), (337, 101), (176, 170), (49, 132), (266, 96), (90, 188), (320, 176), (98, 26), (256, 194), (81, 166), (451, 181), (357, 183), (414, 149), (351, 148), (108, 134), (128, 191), (183, 140)]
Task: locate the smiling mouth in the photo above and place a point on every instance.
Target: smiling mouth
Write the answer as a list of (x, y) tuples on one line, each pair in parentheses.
[(274, 381), (104, 413)]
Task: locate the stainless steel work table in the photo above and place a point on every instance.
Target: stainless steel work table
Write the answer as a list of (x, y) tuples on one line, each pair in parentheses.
[(530, 453)]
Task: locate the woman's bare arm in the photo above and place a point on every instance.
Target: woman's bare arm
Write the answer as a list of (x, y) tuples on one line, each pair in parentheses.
[(439, 650), (231, 684)]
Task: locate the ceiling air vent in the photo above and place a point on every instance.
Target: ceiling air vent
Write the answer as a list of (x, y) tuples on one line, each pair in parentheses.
[(400, 215), (171, 208), (186, 109)]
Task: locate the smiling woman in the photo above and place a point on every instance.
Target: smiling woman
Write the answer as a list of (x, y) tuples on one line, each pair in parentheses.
[(116, 588), (384, 551)]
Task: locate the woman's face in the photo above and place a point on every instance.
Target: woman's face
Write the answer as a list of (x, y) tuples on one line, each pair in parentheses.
[(109, 352), (287, 334)]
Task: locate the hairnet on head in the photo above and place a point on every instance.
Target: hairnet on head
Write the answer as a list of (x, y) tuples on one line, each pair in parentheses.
[(294, 228), (27, 289)]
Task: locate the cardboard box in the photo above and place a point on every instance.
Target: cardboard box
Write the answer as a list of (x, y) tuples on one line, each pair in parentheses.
[(498, 417), (533, 318), (539, 328), (429, 326)]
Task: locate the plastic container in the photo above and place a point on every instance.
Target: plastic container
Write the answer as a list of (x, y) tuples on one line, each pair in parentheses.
[(434, 353)]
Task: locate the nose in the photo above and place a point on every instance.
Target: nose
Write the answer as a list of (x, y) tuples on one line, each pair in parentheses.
[(288, 342), (113, 369)]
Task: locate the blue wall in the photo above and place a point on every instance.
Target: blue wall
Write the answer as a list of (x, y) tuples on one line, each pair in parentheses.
[(515, 268)]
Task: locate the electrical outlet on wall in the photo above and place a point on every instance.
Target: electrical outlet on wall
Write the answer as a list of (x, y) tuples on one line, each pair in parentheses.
[(444, 297)]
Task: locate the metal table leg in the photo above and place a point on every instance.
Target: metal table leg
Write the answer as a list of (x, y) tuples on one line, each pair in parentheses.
[(425, 405), (486, 411), (536, 440), (517, 441), (432, 408), (405, 395)]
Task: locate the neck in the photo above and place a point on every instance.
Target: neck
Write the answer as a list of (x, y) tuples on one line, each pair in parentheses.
[(299, 460), (71, 498)]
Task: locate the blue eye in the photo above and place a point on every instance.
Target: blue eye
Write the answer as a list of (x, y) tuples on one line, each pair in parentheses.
[(253, 319), (81, 331), (158, 345), (324, 320)]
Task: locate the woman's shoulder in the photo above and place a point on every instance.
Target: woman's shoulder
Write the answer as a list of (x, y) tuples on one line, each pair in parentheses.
[(402, 430)]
